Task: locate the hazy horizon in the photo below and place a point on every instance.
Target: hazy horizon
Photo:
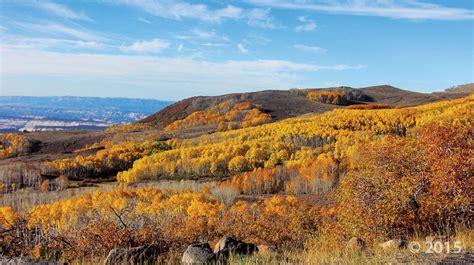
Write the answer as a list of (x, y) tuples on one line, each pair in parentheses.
[(178, 99)]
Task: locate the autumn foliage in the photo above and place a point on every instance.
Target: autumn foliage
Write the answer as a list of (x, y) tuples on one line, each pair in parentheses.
[(12, 144), (335, 135), (421, 183), (108, 161), (328, 97), (225, 116), (95, 223)]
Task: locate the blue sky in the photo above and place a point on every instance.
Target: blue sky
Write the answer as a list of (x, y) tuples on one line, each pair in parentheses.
[(175, 49)]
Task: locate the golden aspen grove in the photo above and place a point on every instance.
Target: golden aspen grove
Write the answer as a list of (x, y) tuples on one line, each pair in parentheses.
[(384, 173)]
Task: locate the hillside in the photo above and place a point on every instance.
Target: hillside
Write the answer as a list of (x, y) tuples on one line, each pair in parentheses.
[(282, 104), (466, 88), (196, 116)]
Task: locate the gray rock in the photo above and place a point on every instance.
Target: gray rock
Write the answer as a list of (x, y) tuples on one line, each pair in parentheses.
[(198, 253), (228, 244), (355, 243), (141, 254)]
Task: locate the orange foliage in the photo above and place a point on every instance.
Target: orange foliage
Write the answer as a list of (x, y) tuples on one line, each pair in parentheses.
[(280, 220), (12, 144), (227, 115), (420, 183), (98, 222), (115, 158), (258, 181), (8, 217), (313, 176), (328, 97)]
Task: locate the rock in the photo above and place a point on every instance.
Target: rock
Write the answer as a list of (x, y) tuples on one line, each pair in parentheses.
[(266, 249), (228, 245), (198, 253), (436, 238), (355, 243), (393, 244), (142, 254)]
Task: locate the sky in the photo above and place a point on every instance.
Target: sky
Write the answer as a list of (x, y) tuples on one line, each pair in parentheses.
[(171, 50)]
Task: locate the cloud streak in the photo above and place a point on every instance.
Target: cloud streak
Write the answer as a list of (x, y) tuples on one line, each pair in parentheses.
[(309, 24), (242, 48), (151, 46), (255, 17), (62, 11), (404, 9), (306, 48), (57, 29)]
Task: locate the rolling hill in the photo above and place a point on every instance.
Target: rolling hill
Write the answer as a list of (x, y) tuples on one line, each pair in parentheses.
[(282, 104)]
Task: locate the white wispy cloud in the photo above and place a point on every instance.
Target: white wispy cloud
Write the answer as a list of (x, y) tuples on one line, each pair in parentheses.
[(61, 30), (180, 47), (242, 48), (203, 33), (61, 10), (309, 24), (255, 17), (259, 17), (144, 20), (212, 44), (151, 46), (306, 48), (45, 43), (403, 9), (180, 73), (179, 10)]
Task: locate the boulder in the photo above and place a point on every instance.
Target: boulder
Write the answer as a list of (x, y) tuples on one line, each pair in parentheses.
[(198, 253), (228, 245), (355, 243), (393, 244), (142, 254)]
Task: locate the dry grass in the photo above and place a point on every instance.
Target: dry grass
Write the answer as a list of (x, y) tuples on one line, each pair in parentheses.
[(331, 252)]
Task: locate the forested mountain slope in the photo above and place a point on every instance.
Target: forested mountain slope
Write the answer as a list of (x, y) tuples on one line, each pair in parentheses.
[(282, 104)]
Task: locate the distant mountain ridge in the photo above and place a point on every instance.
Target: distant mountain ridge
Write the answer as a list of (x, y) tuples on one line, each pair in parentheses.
[(73, 102), (68, 112), (466, 88)]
